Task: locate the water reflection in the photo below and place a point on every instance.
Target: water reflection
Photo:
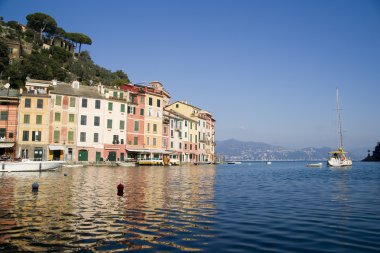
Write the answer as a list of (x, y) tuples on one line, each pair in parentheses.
[(162, 209)]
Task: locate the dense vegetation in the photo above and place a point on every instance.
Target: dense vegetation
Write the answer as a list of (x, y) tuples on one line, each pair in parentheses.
[(56, 62)]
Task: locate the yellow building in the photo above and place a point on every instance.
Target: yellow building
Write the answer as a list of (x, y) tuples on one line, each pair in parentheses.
[(156, 98), (34, 118), (190, 143)]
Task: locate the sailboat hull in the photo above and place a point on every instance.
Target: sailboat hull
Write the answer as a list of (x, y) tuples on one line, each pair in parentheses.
[(333, 162)]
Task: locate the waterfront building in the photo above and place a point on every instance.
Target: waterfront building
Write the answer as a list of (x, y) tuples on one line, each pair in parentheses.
[(174, 139), (135, 121), (115, 122), (191, 133), (63, 124), (33, 119), (206, 137), (9, 100), (156, 99), (90, 124)]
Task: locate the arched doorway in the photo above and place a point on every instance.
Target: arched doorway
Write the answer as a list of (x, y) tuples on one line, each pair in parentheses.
[(83, 155)]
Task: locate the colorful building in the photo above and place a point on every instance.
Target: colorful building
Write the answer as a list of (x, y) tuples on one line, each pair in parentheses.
[(63, 126), (9, 100), (34, 120)]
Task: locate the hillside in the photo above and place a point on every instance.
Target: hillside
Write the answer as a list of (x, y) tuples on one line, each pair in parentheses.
[(258, 151), (48, 54)]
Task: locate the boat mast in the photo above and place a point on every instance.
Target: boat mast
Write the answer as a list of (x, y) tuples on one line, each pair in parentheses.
[(339, 123)]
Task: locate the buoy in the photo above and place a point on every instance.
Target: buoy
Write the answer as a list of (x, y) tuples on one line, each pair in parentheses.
[(120, 189), (35, 186)]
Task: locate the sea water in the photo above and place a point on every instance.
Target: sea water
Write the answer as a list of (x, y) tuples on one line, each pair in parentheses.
[(248, 207)]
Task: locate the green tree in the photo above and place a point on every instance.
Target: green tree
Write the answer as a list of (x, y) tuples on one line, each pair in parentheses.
[(41, 23), (79, 38), (4, 59)]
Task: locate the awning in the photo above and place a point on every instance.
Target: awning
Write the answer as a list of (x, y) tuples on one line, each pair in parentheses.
[(6, 145), (56, 147), (145, 151), (111, 148)]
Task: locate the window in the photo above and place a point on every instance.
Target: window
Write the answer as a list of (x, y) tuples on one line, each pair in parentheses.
[(141, 112), (142, 100), (196, 138), (26, 118), (131, 110), (84, 102), (27, 102), (56, 136), (122, 106), (97, 104), (154, 142), (136, 126), (122, 123), (72, 101), (148, 127), (121, 95), (150, 111), (154, 128), (96, 121), (115, 94), (96, 137), (109, 123), (147, 141), (82, 136), (3, 115), (171, 133), (71, 117), (165, 129), (110, 106), (177, 105), (40, 103), (180, 145), (70, 136), (115, 139), (36, 135), (57, 116), (38, 119), (11, 135), (164, 141), (171, 144), (58, 100), (3, 132), (25, 135), (135, 140), (150, 101), (83, 120), (158, 103)]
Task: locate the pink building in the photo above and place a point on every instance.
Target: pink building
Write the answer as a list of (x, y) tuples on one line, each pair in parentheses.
[(8, 122)]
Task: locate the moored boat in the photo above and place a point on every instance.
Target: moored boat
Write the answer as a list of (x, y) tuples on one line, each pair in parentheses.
[(314, 165), (338, 157), (27, 165), (233, 162)]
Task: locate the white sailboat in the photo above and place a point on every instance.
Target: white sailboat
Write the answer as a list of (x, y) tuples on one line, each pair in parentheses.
[(338, 157)]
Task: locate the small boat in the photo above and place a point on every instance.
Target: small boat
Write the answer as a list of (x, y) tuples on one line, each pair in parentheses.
[(269, 162), (126, 164), (338, 157), (151, 162), (26, 165), (233, 162), (318, 165)]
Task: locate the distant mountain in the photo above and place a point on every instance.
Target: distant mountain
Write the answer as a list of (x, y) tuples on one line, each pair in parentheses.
[(258, 151)]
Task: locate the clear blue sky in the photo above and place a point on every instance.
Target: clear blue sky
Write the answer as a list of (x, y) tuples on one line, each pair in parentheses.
[(266, 69)]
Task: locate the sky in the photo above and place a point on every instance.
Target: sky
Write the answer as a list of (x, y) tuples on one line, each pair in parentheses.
[(266, 69)]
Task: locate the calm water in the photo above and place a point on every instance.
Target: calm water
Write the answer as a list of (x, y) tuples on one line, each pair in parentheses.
[(283, 207)]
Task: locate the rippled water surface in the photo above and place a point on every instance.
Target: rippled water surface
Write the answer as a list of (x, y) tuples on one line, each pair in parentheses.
[(251, 207)]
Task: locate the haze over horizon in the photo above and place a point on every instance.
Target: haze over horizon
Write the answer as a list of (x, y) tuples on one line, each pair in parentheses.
[(266, 70)]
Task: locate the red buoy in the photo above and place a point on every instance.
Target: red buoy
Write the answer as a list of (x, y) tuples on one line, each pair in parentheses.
[(120, 189)]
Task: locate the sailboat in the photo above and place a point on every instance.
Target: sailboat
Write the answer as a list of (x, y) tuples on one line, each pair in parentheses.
[(338, 157)]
